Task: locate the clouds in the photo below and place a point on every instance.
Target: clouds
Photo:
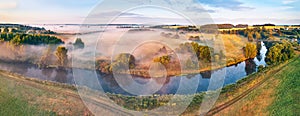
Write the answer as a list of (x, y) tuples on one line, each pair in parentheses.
[(233, 5), (198, 9), (289, 1)]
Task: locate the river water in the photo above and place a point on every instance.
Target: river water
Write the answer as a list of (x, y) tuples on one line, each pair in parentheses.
[(169, 86)]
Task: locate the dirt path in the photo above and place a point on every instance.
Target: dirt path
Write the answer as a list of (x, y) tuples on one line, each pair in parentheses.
[(245, 93)]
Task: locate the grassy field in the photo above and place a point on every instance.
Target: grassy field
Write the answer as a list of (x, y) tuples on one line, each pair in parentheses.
[(20, 97), (287, 101), (277, 96), (13, 106)]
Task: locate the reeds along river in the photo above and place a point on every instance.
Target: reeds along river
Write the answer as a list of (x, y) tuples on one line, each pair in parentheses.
[(169, 85)]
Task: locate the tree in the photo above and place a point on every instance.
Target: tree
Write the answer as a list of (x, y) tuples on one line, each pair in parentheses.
[(5, 30), (280, 52), (222, 55), (257, 36), (250, 36), (16, 40), (61, 55), (78, 44), (46, 57), (250, 50), (163, 59), (205, 54), (190, 64), (123, 61)]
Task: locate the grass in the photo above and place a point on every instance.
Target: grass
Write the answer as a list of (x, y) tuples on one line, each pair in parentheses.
[(278, 96), (14, 106), (287, 102), (19, 96)]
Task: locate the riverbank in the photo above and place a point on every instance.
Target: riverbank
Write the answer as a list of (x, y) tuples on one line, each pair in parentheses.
[(215, 66), (261, 99), (38, 93)]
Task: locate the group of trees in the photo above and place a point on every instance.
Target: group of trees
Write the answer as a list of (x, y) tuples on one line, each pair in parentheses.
[(253, 34), (165, 60), (280, 52), (203, 53), (250, 50), (122, 62), (31, 39), (17, 28)]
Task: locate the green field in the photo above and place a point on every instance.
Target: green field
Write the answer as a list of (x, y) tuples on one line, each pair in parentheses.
[(287, 100), (278, 95), (11, 105)]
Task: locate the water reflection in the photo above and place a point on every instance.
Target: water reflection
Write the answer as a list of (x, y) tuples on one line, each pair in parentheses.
[(170, 84), (206, 74), (61, 75), (250, 66)]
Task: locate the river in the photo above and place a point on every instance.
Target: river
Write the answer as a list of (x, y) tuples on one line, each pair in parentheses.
[(169, 86)]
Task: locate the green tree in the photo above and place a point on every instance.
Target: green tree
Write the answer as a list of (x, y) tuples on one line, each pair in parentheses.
[(61, 55), (280, 52), (78, 44), (5, 30), (123, 62), (205, 54), (16, 40), (250, 50)]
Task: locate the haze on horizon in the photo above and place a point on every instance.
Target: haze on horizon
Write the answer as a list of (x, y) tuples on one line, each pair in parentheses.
[(252, 12)]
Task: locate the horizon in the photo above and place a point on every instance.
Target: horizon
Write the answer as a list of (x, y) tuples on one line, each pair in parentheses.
[(280, 12), (148, 24)]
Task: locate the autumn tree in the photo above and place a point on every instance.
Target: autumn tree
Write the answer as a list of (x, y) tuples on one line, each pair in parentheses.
[(250, 36), (250, 50), (165, 60), (61, 55), (257, 36), (46, 57)]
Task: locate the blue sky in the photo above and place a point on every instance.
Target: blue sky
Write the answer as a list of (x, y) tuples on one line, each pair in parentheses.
[(218, 11)]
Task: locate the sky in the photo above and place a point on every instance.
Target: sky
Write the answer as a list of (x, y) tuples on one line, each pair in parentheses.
[(150, 11)]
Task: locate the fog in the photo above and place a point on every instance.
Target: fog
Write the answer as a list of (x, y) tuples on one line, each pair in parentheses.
[(23, 53), (143, 43)]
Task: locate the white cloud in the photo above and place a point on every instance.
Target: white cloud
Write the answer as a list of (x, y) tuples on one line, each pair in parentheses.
[(289, 1), (286, 7)]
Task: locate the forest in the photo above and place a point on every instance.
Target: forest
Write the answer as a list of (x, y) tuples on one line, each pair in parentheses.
[(30, 39)]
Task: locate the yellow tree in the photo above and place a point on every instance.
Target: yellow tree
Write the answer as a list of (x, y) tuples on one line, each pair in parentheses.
[(61, 55), (250, 50)]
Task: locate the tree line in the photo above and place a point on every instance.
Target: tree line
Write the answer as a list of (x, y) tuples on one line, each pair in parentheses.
[(31, 39)]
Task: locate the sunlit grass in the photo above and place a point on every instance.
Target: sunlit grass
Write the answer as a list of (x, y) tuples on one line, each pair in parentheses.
[(13, 106), (287, 102)]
